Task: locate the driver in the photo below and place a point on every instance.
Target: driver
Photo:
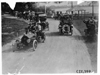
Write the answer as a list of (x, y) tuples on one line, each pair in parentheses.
[(36, 18), (66, 19), (29, 33), (40, 31), (26, 37), (70, 23), (43, 22), (32, 27)]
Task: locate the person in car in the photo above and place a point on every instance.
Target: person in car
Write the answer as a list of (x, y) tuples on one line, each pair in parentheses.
[(90, 24), (66, 19), (40, 31)]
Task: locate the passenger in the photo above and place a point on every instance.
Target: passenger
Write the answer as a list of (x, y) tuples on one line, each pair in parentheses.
[(40, 31), (66, 19), (90, 24)]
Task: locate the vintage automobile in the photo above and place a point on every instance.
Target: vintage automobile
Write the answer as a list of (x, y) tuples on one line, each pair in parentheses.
[(65, 29), (66, 25), (44, 23), (41, 39), (28, 39)]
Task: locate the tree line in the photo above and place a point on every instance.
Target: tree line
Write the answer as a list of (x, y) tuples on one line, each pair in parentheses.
[(23, 6)]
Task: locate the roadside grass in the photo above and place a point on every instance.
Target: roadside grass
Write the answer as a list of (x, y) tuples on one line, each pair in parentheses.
[(92, 46), (10, 28)]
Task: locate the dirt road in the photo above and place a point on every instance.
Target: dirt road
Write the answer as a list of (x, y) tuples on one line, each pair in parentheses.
[(59, 54)]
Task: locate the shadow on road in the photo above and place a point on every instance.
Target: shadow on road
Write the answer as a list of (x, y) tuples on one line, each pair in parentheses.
[(90, 39), (53, 34), (26, 49), (77, 37), (84, 38), (6, 51), (56, 34)]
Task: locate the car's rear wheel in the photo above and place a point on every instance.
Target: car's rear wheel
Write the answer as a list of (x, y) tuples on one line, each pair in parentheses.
[(34, 44), (71, 33)]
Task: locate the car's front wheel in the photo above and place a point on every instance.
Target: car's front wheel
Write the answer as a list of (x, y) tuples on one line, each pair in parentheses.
[(34, 44)]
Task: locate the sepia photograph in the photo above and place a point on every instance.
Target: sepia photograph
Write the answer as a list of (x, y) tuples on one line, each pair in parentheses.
[(49, 37)]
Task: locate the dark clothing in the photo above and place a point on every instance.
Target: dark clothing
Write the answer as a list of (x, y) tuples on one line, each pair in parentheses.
[(31, 28), (66, 20), (24, 40), (90, 24), (36, 19), (42, 19), (40, 33), (43, 25)]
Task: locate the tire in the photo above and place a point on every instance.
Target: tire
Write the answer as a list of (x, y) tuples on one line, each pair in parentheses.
[(34, 45), (48, 26), (39, 39), (60, 31), (43, 39), (71, 33)]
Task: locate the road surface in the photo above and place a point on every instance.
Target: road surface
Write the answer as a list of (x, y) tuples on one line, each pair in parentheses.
[(59, 54)]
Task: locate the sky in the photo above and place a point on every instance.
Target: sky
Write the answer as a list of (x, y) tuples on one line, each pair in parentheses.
[(13, 2)]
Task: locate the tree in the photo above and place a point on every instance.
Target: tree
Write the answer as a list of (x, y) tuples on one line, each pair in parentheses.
[(20, 6), (5, 7), (25, 6)]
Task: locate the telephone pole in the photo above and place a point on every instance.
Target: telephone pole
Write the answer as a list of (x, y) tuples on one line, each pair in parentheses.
[(72, 8), (45, 7), (92, 8)]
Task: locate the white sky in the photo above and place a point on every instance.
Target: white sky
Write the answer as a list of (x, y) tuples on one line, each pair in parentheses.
[(12, 2)]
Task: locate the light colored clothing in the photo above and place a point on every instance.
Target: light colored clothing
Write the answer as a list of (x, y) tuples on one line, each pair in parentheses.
[(29, 34), (39, 27)]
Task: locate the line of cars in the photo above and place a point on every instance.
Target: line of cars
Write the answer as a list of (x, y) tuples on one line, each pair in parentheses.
[(32, 35), (31, 39), (65, 27), (66, 24)]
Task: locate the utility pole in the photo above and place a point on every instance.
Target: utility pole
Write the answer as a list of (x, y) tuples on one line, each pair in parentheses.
[(71, 4), (72, 8), (45, 7), (92, 8)]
